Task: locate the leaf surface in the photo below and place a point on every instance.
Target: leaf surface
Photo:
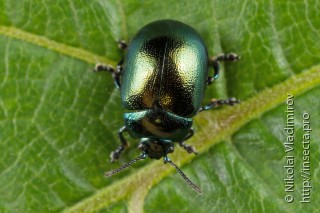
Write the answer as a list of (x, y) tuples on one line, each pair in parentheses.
[(59, 121)]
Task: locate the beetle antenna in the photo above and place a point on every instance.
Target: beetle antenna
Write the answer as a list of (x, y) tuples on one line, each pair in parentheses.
[(189, 182), (121, 168)]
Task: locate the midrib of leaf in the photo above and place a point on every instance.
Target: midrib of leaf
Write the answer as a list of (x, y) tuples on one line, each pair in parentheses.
[(221, 125), (42, 41)]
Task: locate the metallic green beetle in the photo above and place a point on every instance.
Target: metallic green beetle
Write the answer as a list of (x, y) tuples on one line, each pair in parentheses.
[(162, 79)]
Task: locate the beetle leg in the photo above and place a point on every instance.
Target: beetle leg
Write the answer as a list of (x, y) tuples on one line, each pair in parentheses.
[(122, 45), (215, 64), (216, 103), (103, 68), (188, 148), (116, 73), (116, 154)]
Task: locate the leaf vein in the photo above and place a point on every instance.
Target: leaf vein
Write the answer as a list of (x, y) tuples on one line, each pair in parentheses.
[(42, 41)]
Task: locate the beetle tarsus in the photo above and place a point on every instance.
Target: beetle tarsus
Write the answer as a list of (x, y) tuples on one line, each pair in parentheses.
[(122, 45), (116, 73), (215, 64), (188, 148), (103, 68), (124, 144), (227, 57), (216, 103)]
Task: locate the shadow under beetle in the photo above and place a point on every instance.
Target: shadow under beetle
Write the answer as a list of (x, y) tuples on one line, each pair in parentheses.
[(162, 79)]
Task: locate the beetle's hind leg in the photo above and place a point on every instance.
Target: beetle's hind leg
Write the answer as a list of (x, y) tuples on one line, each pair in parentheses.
[(122, 45), (214, 61), (188, 148), (116, 153), (216, 103)]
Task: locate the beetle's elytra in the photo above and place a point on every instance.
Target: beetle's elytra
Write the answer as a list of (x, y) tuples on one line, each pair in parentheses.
[(162, 81)]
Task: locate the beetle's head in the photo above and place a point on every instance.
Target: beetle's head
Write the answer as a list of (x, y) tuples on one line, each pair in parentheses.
[(155, 149)]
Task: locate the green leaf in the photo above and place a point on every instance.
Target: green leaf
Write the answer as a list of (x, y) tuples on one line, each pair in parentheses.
[(59, 120)]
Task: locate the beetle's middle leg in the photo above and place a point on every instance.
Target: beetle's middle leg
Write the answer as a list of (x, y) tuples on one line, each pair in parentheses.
[(214, 61), (116, 73), (188, 148), (219, 102), (116, 153)]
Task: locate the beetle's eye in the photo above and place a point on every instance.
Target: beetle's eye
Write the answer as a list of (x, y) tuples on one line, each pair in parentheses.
[(157, 120), (142, 147)]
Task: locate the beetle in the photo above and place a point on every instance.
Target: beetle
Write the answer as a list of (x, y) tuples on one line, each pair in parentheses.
[(162, 81)]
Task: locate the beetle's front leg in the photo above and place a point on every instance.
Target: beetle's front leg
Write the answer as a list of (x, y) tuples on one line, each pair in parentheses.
[(188, 148), (116, 154), (214, 61), (216, 103)]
